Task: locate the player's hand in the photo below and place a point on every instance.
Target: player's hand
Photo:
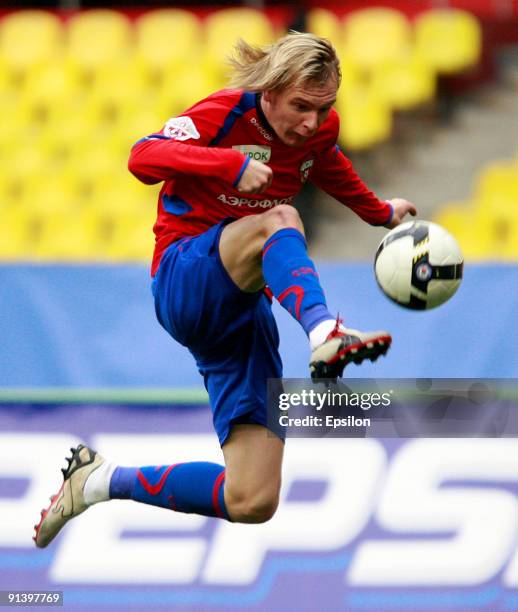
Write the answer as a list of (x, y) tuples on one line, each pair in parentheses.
[(401, 209), (256, 178)]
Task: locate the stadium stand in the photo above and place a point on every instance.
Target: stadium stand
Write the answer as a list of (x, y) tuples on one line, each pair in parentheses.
[(487, 224), (84, 88)]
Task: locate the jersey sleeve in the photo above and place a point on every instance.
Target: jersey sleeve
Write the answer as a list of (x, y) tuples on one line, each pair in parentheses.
[(334, 174), (184, 145)]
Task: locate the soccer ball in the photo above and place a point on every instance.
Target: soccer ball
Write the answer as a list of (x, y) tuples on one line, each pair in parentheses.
[(418, 265)]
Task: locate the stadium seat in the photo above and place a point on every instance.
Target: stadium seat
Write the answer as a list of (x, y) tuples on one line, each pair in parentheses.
[(189, 87), (47, 95), (499, 180), (365, 118), (64, 236), (168, 40), (487, 227), (224, 27), (325, 23), (118, 90), (97, 38), (497, 206), (15, 234), (132, 238), (404, 83), (448, 40), (375, 35), (29, 38), (460, 220)]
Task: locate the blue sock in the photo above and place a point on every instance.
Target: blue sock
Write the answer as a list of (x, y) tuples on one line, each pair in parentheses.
[(293, 279), (196, 487)]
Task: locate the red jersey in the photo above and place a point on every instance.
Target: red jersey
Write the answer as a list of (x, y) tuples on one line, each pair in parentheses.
[(202, 155)]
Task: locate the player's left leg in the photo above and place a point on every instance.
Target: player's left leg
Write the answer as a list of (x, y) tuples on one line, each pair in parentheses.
[(270, 248)]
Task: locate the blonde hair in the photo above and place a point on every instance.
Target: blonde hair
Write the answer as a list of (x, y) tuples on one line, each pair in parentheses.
[(294, 59)]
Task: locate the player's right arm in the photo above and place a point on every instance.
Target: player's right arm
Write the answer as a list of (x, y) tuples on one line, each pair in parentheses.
[(185, 146)]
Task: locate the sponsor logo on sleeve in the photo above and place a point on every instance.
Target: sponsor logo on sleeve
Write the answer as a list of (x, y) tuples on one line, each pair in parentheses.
[(181, 128)]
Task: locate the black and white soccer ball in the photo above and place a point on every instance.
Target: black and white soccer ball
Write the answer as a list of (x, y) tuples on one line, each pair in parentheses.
[(418, 265)]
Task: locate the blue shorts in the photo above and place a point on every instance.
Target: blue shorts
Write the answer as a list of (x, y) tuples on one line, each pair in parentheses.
[(231, 334)]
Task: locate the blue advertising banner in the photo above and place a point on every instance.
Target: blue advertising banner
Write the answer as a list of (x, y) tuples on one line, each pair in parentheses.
[(364, 524), (95, 327)]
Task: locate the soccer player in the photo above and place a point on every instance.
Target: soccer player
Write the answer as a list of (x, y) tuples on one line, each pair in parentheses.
[(228, 238)]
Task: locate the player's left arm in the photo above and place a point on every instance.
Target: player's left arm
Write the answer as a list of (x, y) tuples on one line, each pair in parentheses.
[(333, 172)]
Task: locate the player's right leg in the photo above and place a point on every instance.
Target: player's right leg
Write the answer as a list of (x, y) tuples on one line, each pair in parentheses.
[(253, 460), (270, 248), (69, 501), (245, 491)]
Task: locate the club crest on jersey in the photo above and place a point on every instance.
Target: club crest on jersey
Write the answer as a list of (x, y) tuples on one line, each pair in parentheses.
[(181, 128), (257, 152), (305, 168)]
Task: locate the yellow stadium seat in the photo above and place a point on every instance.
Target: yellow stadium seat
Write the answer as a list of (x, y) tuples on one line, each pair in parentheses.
[(225, 26), (48, 195), (47, 95), (496, 208), (325, 23), (448, 40), (16, 233), (487, 228), (189, 88), (26, 161), (404, 83), (91, 171), (460, 220), (118, 235), (365, 118), (132, 238), (99, 37), (8, 84), (29, 38), (134, 126), (498, 180), (375, 35), (168, 40), (63, 236)]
